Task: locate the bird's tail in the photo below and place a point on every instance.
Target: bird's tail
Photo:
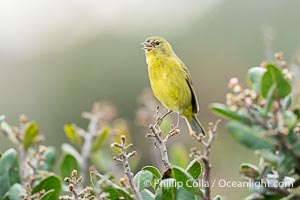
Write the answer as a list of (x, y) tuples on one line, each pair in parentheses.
[(195, 126)]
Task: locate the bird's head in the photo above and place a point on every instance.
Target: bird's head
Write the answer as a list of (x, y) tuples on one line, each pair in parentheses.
[(157, 45)]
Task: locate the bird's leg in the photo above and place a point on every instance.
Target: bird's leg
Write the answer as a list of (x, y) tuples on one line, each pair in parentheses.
[(160, 119), (169, 111), (175, 129), (178, 118)]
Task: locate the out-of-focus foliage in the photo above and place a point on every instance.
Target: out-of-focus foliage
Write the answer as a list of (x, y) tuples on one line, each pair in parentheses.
[(263, 119)]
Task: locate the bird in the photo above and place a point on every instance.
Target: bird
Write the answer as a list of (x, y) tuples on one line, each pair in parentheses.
[(171, 82)]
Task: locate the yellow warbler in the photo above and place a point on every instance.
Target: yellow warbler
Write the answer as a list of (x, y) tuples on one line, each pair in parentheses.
[(171, 82)]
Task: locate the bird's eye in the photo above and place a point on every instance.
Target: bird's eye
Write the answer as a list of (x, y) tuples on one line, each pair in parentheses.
[(148, 41), (157, 43)]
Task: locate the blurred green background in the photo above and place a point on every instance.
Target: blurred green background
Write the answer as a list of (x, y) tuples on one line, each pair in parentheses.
[(58, 57)]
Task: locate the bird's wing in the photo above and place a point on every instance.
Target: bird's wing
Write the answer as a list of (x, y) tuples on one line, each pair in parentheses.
[(195, 105)]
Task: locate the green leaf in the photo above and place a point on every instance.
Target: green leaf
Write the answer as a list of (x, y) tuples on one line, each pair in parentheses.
[(158, 194), (69, 149), (290, 119), (287, 102), (67, 165), (286, 165), (116, 193), (255, 74), (47, 195), (50, 158), (296, 148), (100, 139), (156, 175), (249, 170), (30, 134), (143, 179), (194, 169), (184, 178), (269, 100), (249, 137), (271, 157), (147, 195), (273, 76), (16, 191), (179, 155), (169, 189), (72, 135), (224, 111), (218, 197), (183, 194), (49, 183), (9, 171)]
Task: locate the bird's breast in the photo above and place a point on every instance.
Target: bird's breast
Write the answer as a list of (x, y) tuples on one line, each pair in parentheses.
[(168, 83)]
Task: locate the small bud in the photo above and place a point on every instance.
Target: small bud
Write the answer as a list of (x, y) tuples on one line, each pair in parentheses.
[(123, 182), (248, 101), (247, 92), (79, 180), (278, 55), (42, 149), (67, 180), (71, 187), (282, 63), (23, 119), (123, 138), (114, 144), (88, 189), (263, 64), (285, 131), (233, 82), (74, 173), (237, 88)]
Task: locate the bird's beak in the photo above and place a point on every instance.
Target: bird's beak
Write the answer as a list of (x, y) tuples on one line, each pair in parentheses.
[(147, 46)]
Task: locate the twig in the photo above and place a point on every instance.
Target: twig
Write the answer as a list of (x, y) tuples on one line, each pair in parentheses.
[(73, 185), (123, 158), (87, 145), (160, 140), (204, 157)]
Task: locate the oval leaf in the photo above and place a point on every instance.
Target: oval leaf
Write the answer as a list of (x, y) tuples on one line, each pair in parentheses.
[(100, 139), (183, 194), (184, 178), (30, 134), (223, 111), (116, 193), (67, 165), (147, 195), (49, 183), (194, 169), (255, 74), (249, 170), (156, 175), (169, 189), (143, 179), (16, 191), (273, 76), (9, 171), (249, 137), (72, 135), (69, 149), (50, 158)]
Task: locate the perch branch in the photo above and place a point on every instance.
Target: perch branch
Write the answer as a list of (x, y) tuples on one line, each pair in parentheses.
[(204, 157), (123, 158), (161, 141)]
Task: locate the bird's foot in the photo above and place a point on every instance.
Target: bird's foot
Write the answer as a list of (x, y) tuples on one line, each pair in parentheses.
[(174, 130)]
